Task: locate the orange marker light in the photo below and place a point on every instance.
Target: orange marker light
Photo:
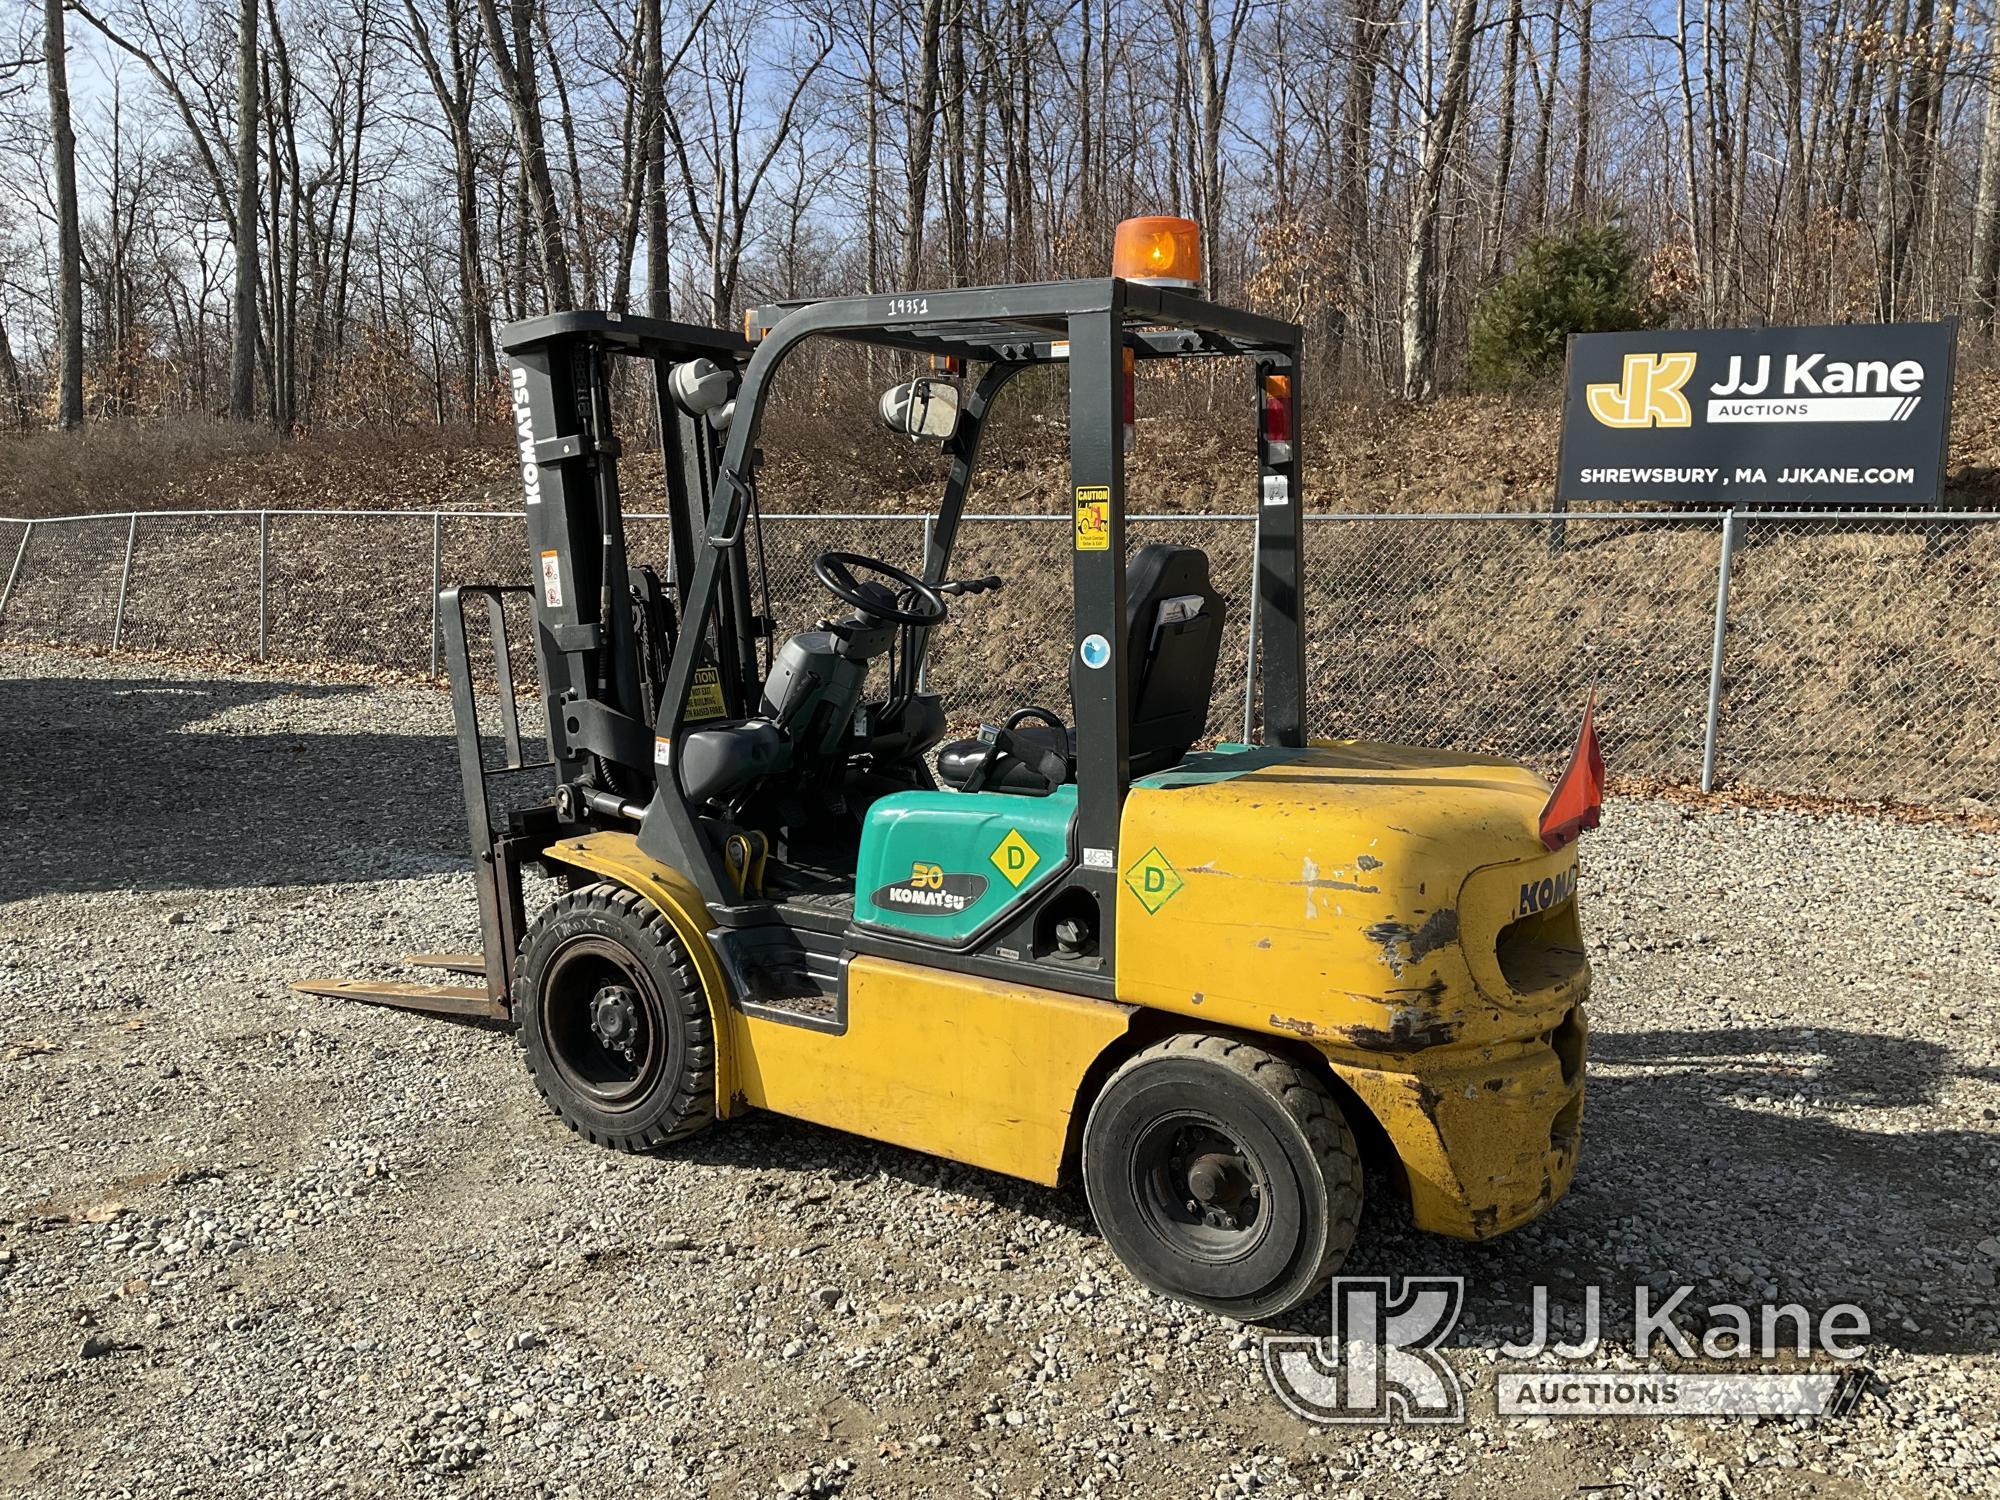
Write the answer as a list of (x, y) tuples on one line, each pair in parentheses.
[(1158, 251)]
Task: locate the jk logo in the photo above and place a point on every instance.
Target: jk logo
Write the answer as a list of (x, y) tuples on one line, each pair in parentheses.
[(1649, 396), (1381, 1363)]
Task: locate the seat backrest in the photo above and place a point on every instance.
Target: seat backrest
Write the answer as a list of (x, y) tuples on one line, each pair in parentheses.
[(1173, 623)]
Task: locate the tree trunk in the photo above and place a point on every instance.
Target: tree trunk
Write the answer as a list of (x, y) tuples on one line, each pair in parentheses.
[(243, 352), (1889, 192), (1690, 181), (1919, 149), (1420, 293), (1357, 154), (1510, 88), (1986, 201), (922, 122), (514, 62), (956, 220), (653, 145), (1579, 182), (10, 378), (1545, 101), (871, 179), (455, 99), (566, 124), (69, 238)]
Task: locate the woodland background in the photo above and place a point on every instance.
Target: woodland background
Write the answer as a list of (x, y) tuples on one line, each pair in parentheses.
[(313, 213)]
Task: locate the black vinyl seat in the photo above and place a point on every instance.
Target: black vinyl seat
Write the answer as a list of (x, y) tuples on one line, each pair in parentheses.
[(1173, 635)]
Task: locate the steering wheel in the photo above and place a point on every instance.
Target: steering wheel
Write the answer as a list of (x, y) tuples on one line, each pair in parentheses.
[(834, 570)]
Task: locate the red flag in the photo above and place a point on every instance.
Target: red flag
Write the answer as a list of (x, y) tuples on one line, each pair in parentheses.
[(1579, 796)]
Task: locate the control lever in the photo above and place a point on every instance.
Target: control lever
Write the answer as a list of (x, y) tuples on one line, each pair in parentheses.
[(971, 585)]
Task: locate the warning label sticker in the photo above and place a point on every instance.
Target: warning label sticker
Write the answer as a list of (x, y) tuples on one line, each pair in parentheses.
[(551, 580), (705, 696), (1093, 518)]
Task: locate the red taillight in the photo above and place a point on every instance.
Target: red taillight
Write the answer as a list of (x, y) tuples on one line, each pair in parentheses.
[(1277, 408), (1131, 395), (1578, 800)]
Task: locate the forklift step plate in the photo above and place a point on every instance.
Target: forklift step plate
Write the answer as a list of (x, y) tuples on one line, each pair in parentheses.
[(438, 999)]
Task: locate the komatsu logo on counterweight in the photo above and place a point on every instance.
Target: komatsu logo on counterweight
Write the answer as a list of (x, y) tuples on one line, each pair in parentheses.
[(524, 432), (1648, 396), (1542, 895)]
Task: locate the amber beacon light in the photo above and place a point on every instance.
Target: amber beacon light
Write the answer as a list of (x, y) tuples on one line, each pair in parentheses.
[(1158, 251)]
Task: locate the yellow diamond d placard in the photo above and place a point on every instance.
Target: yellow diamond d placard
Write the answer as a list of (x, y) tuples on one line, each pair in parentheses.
[(1015, 857), (1093, 518), (1153, 880)]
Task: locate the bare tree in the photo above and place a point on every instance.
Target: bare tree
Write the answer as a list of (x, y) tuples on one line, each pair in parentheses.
[(1510, 89), (1440, 128), (243, 348), (69, 236), (10, 378), (920, 125), (512, 51), (720, 184), (453, 89), (1986, 201), (1579, 181)]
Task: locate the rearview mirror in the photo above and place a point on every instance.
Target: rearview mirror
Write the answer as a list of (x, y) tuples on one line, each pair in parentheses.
[(920, 409)]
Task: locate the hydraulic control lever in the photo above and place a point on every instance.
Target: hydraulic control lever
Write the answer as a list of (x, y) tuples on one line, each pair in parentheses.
[(971, 585)]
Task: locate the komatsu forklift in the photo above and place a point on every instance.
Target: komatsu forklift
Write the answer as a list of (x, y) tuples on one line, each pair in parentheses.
[(1210, 983)]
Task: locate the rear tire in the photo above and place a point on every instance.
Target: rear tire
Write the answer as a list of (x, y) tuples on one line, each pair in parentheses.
[(613, 1021), (1222, 1175)]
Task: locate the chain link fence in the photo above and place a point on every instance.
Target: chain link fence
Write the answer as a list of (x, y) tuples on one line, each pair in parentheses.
[(1847, 655)]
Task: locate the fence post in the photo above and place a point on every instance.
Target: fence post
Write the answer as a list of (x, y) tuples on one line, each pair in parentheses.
[(437, 581), (1715, 654), (14, 573), (1250, 649), (124, 582), (263, 585)]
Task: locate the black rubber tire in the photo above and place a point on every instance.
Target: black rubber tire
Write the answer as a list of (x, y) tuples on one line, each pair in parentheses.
[(1292, 1140), (607, 931)]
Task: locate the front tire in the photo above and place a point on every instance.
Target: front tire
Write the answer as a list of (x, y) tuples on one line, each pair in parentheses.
[(613, 1021), (1222, 1175)]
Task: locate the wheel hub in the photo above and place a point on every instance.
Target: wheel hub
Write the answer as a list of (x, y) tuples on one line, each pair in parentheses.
[(614, 1019), (1220, 1190)]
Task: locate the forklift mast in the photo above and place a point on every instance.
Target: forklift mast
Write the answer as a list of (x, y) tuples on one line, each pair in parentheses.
[(589, 628)]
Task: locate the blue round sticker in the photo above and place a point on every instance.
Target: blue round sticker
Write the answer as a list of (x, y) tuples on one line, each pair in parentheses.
[(1095, 651)]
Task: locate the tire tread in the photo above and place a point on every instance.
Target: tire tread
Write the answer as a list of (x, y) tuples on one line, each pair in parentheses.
[(1311, 1106), (693, 1105)]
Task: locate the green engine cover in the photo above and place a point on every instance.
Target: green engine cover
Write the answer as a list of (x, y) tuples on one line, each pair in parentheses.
[(940, 866)]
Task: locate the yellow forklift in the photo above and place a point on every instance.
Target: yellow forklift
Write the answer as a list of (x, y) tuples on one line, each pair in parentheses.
[(1210, 983)]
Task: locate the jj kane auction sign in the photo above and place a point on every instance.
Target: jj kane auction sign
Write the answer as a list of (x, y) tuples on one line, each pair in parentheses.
[(1855, 415)]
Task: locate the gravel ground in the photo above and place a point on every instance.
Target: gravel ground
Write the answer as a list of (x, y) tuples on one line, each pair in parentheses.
[(253, 1243)]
